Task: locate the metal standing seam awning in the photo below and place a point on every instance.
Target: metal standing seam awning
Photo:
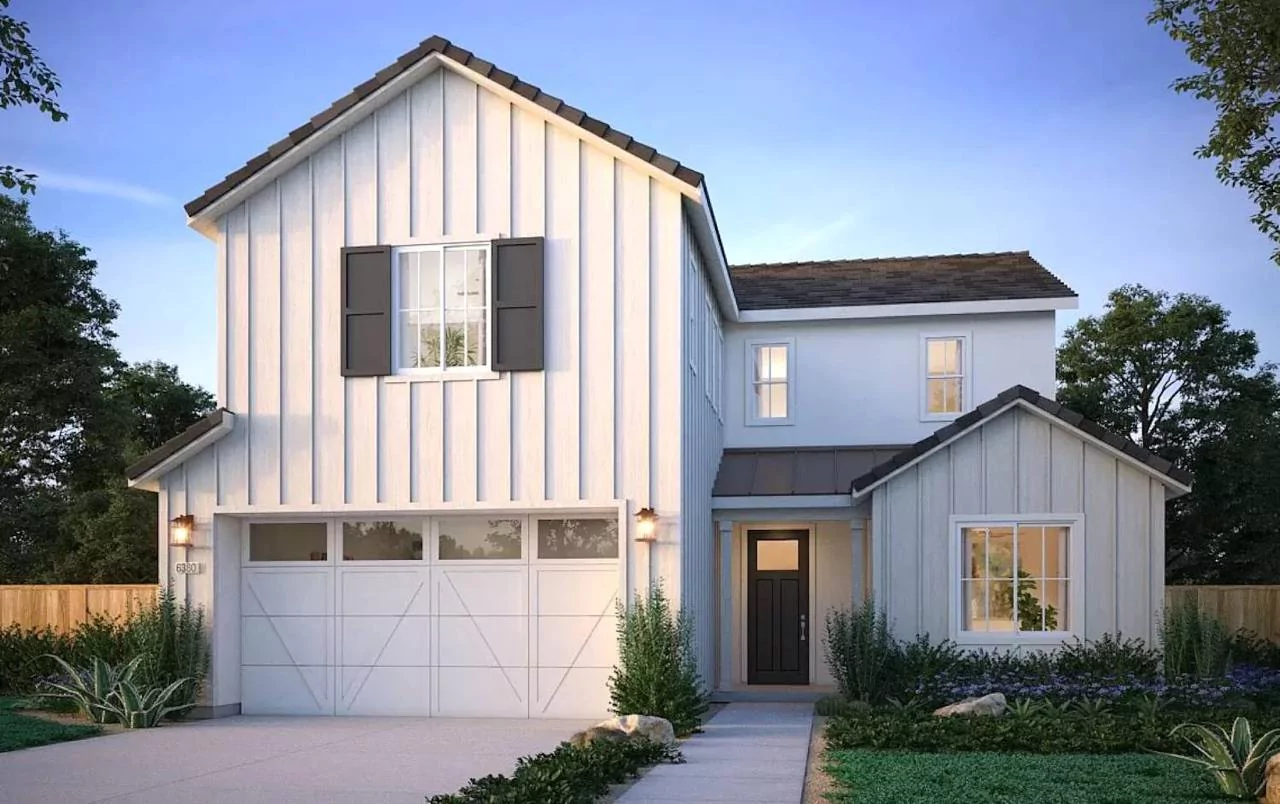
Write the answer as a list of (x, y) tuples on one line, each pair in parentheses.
[(795, 471)]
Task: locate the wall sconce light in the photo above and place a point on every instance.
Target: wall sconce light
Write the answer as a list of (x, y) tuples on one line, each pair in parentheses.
[(180, 530), (646, 525)]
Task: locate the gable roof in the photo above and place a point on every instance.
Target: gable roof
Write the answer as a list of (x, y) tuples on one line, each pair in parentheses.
[(1020, 394), (442, 46), (896, 280), (199, 435), (794, 471)]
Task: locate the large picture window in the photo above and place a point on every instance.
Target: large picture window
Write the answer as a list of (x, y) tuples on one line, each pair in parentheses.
[(442, 308), (1015, 578)]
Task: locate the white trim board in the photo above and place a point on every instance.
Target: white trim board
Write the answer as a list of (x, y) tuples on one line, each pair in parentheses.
[(909, 310), (150, 479)]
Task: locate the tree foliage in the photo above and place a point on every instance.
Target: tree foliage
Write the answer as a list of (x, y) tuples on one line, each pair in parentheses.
[(1171, 373), (74, 415), (1237, 45), (25, 80)]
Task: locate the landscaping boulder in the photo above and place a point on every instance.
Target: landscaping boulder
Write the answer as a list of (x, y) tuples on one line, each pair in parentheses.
[(599, 734), (655, 729), (993, 704), (1271, 792)]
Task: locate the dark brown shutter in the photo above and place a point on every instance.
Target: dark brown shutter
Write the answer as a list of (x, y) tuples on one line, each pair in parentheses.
[(517, 304), (366, 311)]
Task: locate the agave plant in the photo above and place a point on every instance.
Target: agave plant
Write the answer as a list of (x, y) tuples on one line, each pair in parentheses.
[(91, 689), (1236, 760), (1090, 707), (146, 707), (1027, 707)]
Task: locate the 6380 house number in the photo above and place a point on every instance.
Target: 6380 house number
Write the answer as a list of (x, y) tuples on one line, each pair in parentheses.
[(189, 567)]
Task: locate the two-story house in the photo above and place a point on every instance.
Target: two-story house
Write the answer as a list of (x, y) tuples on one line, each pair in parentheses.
[(484, 371)]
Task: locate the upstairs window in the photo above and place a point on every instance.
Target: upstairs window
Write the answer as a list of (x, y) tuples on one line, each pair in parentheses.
[(771, 382), (945, 376), (442, 308)]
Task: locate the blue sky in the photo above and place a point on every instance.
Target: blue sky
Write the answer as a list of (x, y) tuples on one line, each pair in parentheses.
[(836, 129)]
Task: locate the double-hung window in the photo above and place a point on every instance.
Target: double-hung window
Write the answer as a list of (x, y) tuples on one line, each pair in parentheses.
[(1015, 578), (946, 386), (442, 301), (771, 382)]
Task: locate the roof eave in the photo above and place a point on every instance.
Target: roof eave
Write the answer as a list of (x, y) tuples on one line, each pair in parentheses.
[(145, 474), (280, 158), (975, 307), (1174, 487)]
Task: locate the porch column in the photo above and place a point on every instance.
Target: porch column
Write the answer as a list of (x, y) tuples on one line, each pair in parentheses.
[(857, 545), (724, 529)]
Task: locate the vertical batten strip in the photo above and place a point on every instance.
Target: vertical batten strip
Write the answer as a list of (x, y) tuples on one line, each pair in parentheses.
[(313, 307), (280, 354)]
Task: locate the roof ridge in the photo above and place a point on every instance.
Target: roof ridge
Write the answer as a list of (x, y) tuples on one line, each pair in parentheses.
[(432, 45), (834, 260)]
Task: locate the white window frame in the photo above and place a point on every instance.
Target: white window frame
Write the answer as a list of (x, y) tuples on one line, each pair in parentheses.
[(691, 294), (439, 372), (752, 420), (708, 359), (1075, 578), (965, 375)]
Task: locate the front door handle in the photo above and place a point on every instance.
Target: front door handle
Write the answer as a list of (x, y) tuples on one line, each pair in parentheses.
[(804, 623)]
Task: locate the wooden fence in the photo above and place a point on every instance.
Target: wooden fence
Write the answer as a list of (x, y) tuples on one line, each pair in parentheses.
[(1254, 607), (63, 607)]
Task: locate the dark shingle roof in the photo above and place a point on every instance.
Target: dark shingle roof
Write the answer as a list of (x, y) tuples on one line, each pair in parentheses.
[(804, 470), (438, 44), (182, 440), (990, 408), (896, 280)]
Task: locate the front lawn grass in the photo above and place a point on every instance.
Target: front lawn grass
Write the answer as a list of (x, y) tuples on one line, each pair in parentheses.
[(895, 777), (27, 731)]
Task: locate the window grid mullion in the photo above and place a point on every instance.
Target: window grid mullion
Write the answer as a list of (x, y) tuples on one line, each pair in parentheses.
[(1017, 622)]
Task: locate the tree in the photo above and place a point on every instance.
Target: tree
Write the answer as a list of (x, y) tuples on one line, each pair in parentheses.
[(1169, 372), (25, 80), (72, 417), (56, 357), (1237, 43), (110, 529)]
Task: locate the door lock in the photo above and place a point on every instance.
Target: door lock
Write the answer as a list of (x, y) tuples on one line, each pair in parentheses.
[(804, 622)]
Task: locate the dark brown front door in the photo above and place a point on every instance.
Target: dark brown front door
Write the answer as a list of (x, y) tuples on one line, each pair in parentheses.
[(778, 607)]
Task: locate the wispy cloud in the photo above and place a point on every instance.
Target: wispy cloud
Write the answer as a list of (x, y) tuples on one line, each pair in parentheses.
[(75, 183), (794, 240)]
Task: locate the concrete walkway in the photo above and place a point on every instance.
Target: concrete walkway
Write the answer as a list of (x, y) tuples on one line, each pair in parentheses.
[(750, 752), (276, 760)]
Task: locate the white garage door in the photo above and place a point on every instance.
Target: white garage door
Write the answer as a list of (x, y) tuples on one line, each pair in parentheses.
[(501, 616)]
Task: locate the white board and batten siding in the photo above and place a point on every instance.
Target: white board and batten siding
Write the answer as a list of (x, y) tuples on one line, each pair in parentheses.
[(449, 159), (1021, 463), (701, 447)]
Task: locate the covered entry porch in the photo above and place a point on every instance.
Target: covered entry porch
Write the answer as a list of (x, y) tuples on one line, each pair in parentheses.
[(779, 572)]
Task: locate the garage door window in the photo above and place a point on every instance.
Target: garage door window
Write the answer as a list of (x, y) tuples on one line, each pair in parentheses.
[(288, 541), (577, 538), (382, 541), (480, 538)]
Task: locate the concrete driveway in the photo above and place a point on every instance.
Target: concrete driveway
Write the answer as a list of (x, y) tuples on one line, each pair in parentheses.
[(245, 760)]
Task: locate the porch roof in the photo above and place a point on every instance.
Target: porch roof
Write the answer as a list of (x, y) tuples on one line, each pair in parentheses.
[(774, 472)]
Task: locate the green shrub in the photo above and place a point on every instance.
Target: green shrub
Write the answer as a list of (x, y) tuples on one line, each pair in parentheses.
[(1194, 642), (861, 652), (1237, 761), (567, 775), (657, 673), (1047, 732), (107, 694), (1108, 655), (171, 637), (1249, 648), (833, 705)]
